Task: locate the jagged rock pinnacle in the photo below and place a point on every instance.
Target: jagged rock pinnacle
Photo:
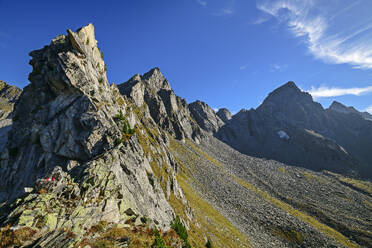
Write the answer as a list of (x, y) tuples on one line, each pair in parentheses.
[(205, 116), (224, 114)]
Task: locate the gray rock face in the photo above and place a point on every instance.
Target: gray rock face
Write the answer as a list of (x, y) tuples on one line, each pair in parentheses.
[(340, 108), (58, 118), (323, 196), (65, 121), (9, 92), (205, 116), (8, 96), (224, 114), (81, 151), (169, 111), (314, 138)]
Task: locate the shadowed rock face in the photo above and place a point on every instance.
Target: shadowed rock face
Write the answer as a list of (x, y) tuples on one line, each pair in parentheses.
[(340, 108), (9, 92), (316, 138), (8, 96), (169, 111), (114, 155), (224, 114), (56, 118), (64, 126), (205, 116)]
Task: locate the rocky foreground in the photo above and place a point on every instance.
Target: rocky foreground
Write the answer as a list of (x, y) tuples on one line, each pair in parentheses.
[(89, 164)]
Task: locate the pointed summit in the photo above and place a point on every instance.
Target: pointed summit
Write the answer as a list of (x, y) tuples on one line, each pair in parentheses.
[(286, 94), (154, 72), (288, 88), (205, 116), (289, 84), (339, 107), (152, 82), (224, 114), (155, 80)]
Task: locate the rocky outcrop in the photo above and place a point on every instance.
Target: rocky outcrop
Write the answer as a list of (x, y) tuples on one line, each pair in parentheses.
[(224, 114), (205, 116), (340, 108), (279, 205), (71, 126), (9, 92), (8, 96), (290, 127), (169, 111), (88, 164)]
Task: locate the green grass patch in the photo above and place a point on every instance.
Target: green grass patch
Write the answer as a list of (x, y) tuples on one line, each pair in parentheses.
[(180, 229), (291, 236), (204, 154)]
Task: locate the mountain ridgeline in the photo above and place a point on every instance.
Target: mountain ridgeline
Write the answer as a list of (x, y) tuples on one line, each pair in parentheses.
[(85, 163), (291, 128)]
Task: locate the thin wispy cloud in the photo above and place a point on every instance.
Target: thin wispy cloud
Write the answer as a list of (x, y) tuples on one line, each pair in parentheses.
[(260, 20), (202, 3), (369, 109), (243, 67), (325, 91), (278, 68), (228, 11), (331, 33)]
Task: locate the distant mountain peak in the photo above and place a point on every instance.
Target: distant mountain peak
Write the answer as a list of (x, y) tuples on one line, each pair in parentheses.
[(341, 108), (290, 86), (154, 72), (224, 114), (285, 94), (9, 92), (155, 79)]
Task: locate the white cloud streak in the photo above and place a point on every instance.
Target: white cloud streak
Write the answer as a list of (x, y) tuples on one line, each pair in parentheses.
[(228, 11), (325, 91), (202, 3), (327, 38), (260, 20), (278, 68), (369, 109)]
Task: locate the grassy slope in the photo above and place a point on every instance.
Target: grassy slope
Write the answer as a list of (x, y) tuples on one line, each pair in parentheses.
[(186, 157), (211, 222)]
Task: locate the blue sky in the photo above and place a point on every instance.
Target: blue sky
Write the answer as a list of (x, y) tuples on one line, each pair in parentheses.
[(228, 53)]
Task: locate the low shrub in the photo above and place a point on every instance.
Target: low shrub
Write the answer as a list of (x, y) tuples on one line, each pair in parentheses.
[(159, 242), (208, 244), (181, 231)]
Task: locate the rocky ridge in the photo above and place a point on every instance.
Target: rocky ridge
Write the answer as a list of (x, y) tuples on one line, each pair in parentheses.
[(72, 126), (224, 114), (206, 118), (169, 111), (90, 164), (290, 127), (339, 107), (8, 96)]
